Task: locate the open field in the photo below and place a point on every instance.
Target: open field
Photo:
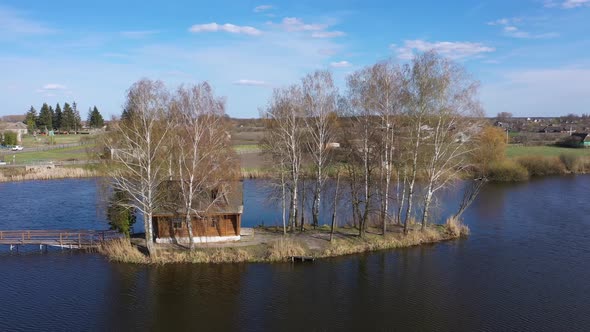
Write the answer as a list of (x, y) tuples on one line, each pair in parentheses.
[(246, 136), (545, 151), (30, 141), (68, 153), (247, 148)]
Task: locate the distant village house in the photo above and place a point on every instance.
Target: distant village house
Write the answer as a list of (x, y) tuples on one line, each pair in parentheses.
[(16, 127)]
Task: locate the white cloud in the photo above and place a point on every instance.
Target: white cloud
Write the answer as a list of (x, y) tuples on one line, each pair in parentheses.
[(54, 86), (250, 82), (501, 21), (340, 64), (15, 22), (510, 29), (52, 89), (297, 24), (231, 28), (452, 50), (138, 33), (317, 30), (327, 34), (569, 4), (263, 8)]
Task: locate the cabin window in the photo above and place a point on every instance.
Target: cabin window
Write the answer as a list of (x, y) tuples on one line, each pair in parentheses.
[(177, 223)]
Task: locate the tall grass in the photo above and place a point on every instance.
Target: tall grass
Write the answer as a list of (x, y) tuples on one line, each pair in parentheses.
[(354, 245), (254, 173), (541, 166), (570, 161), (584, 165), (9, 175), (121, 250), (283, 248), (507, 171), (215, 256), (455, 227)]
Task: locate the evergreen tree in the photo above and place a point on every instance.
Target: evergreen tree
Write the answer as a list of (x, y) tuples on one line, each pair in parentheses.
[(77, 123), (57, 117), (52, 116), (44, 121), (121, 217), (89, 117), (31, 119), (95, 119), (126, 115), (67, 118)]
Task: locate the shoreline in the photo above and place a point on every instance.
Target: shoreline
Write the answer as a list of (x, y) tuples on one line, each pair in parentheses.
[(273, 247), (19, 174)]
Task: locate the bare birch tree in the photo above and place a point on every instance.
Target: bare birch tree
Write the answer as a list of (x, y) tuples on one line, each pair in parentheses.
[(319, 95), (384, 97), (418, 88), (284, 117), (137, 145), (361, 136), (453, 113), (204, 159)]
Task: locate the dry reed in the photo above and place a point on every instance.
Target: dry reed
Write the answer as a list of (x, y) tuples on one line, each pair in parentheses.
[(46, 174), (284, 248), (121, 250), (456, 228)]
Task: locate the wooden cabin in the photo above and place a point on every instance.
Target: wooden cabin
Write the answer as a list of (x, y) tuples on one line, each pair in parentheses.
[(218, 218)]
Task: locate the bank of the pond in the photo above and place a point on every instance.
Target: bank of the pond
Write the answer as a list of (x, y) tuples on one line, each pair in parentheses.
[(42, 172), (515, 169), (268, 244)]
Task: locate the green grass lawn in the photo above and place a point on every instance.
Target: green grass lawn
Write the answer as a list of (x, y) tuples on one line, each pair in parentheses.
[(69, 153), (30, 141), (546, 151), (247, 147)]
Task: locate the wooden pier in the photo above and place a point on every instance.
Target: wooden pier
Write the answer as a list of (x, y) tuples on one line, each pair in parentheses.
[(74, 239), (302, 259)]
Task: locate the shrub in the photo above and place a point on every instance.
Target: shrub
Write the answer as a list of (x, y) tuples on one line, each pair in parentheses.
[(569, 142), (121, 250), (507, 171), (121, 217), (492, 147), (570, 161), (282, 249), (9, 138), (455, 227), (583, 165), (540, 166)]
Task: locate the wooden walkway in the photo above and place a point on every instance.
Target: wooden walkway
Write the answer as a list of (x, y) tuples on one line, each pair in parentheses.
[(62, 238)]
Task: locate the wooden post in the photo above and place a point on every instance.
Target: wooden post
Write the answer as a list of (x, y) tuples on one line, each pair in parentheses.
[(60, 241), (79, 241), (1, 235)]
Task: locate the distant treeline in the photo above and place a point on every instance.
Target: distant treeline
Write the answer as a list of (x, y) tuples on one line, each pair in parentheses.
[(67, 119)]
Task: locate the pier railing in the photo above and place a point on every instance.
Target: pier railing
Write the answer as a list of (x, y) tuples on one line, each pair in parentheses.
[(63, 238)]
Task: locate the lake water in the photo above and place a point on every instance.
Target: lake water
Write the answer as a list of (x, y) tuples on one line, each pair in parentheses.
[(524, 267)]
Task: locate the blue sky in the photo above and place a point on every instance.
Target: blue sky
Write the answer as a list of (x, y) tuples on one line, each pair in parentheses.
[(532, 57)]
